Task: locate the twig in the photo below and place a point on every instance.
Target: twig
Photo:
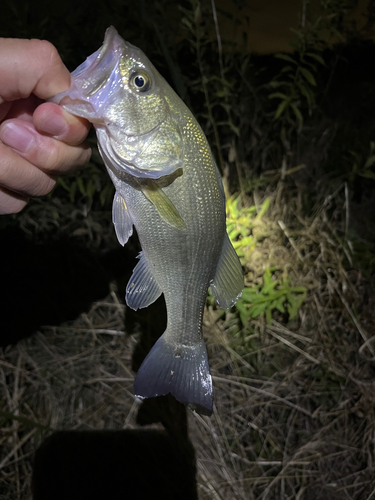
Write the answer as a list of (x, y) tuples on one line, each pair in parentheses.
[(264, 393), (287, 234), (16, 448), (292, 346)]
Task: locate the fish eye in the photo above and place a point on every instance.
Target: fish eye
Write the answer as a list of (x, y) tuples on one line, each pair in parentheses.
[(140, 81)]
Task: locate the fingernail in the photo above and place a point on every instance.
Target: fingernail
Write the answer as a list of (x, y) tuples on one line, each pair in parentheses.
[(54, 125), (17, 137)]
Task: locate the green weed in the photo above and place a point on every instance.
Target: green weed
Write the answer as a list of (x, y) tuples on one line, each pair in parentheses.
[(275, 292), (271, 295)]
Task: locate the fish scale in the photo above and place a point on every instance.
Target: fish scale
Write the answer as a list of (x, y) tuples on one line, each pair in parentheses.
[(167, 187)]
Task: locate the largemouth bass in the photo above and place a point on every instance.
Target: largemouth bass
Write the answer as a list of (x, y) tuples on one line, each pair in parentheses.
[(169, 188)]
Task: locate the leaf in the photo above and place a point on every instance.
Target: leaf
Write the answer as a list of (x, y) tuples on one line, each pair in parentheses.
[(285, 57), (249, 293), (259, 298), (370, 161), (368, 174), (105, 194), (244, 318), (257, 309), (279, 304), (287, 69), (263, 208), (274, 84), (308, 75), (244, 313), (267, 276), (292, 310), (246, 241), (276, 95), (235, 129), (307, 94), (237, 247), (280, 109), (187, 23), (269, 287), (316, 57), (291, 299), (298, 115), (61, 182), (72, 192), (81, 186), (232, 234), (91, 188)]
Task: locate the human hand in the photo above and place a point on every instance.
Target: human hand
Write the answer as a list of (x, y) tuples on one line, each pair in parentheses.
[(38, 140)]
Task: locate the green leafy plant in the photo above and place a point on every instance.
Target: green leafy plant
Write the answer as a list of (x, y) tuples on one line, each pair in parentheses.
[(274, 294), (241, 223), (296, 83), (91, 183), (215, 84)]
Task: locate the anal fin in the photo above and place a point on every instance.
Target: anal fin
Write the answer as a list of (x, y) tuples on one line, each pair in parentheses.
[(142, 288), (228, 282)]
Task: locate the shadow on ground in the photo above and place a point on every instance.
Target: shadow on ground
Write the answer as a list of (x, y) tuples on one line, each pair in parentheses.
[(127, 464), (47, 283)]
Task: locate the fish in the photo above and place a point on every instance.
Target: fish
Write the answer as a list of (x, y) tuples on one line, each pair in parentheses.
[(168, 187)]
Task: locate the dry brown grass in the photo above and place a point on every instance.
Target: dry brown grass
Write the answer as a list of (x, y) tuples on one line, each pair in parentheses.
[(294, 401)]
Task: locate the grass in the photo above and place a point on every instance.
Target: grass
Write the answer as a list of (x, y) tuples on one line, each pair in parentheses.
[(294, 397)]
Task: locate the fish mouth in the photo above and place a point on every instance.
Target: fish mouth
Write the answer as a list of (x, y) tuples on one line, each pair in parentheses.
[(97, 83), (103, 61), (95, 80)]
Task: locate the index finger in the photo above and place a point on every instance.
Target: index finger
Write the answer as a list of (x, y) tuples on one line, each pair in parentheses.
[(30, 67)]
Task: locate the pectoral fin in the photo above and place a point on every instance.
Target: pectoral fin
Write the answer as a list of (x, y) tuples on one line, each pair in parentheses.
[(142, 289), (121, 219), (228, 283), (163, 205)]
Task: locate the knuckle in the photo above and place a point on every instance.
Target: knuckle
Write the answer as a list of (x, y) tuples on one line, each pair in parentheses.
[(47, 52)]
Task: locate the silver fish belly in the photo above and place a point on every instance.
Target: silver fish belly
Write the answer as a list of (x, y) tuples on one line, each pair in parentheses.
[(169, 188)]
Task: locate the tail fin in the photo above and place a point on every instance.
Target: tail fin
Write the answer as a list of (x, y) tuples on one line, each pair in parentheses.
[(180, 370)]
